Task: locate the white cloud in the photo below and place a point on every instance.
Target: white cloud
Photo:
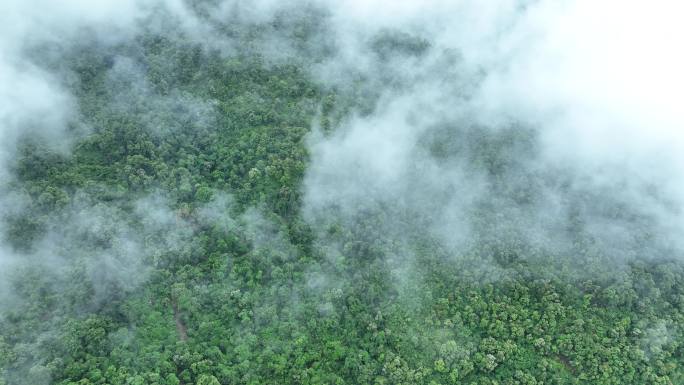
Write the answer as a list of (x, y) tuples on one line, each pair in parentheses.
[(599, 81)]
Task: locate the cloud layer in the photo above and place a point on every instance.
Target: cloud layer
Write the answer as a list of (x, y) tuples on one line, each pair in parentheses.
[(561, 118)]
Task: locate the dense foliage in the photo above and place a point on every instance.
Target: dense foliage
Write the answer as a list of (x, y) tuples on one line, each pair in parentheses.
[(179, 253)]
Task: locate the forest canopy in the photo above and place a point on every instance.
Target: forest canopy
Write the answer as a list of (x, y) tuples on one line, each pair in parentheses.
[(228, 192)]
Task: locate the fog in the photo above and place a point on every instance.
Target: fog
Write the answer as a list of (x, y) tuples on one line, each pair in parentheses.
[(578, 98)]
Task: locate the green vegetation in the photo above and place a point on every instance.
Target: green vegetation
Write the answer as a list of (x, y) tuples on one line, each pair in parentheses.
[(177, 250)]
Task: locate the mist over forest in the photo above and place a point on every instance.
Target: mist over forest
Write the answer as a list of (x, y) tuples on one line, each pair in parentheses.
[(214, 192)]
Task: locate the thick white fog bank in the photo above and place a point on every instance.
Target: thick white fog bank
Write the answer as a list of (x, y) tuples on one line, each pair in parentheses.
[(598, 83), (610, 72), (606, 75)]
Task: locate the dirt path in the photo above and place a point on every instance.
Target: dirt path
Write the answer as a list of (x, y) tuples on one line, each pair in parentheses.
[(566, 362), (180, 326)]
